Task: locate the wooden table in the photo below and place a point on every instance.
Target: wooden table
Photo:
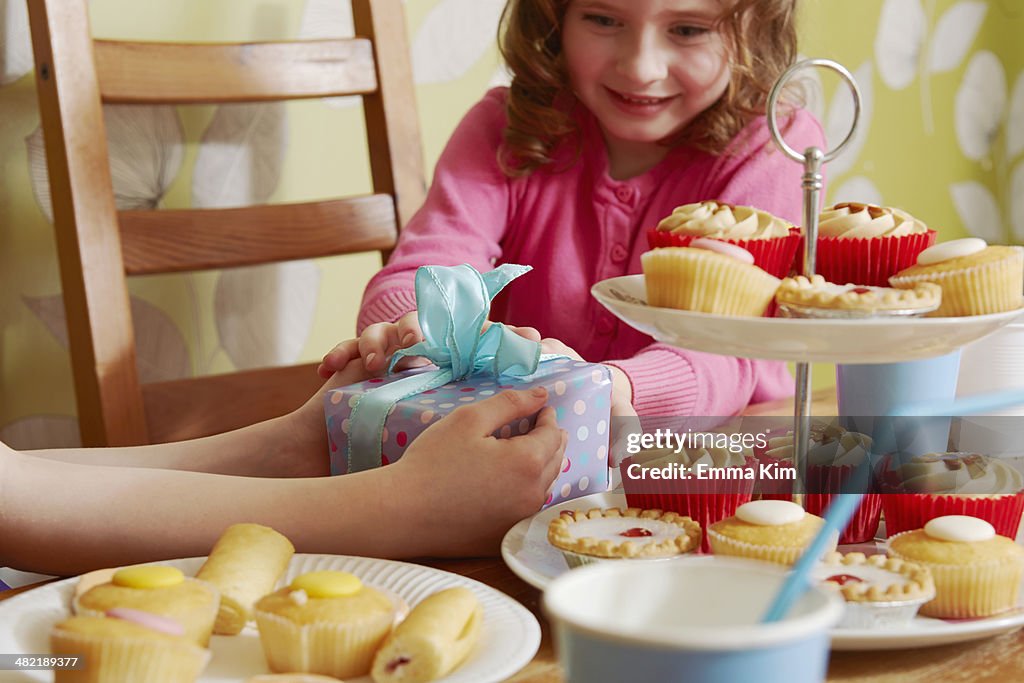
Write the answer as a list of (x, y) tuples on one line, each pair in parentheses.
[(999, 659)]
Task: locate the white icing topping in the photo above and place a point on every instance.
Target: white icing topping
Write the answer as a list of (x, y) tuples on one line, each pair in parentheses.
[(714, 219), (867, 573), (690, 457), (965, 473), (611, 528), (950, 250), (959, 528), (770, 512), (724, 248), (299, 597), (851, 220), (831, 446)]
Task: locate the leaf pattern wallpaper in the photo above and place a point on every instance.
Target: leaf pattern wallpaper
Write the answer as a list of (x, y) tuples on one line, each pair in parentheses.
[(941, 135)]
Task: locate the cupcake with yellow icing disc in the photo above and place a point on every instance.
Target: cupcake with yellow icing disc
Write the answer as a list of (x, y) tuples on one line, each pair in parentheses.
[(157, 589), (324, 622)]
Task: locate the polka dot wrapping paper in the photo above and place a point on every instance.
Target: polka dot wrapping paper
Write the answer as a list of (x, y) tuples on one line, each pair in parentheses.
[(579, 392)]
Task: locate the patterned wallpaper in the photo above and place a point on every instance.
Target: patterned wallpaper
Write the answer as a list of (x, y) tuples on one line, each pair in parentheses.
[(942, 136)]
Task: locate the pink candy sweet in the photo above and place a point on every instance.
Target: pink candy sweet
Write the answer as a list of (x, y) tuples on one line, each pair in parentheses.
[(147, 619), (724, 248)]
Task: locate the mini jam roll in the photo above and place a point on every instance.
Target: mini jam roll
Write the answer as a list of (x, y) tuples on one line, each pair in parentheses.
[(434, 639), (244, 565)]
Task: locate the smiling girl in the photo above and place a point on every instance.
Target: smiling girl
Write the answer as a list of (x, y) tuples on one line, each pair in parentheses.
[(618, 111)]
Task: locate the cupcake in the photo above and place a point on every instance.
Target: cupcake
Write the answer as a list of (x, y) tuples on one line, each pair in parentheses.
[(879, 591), (324, 622), (832, 456), (865, 244), (975, 278), (703, 482), (814, 297), (977, 572), (159, 590), (931, 485), (771, 530), (771, 241), (588, 536), (127, 646), (709, 276)]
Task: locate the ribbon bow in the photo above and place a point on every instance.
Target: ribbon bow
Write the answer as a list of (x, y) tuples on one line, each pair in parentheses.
[(452, 306)]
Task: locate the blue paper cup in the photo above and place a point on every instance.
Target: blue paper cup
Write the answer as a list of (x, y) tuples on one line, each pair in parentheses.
[(694, 620), (869, 392)]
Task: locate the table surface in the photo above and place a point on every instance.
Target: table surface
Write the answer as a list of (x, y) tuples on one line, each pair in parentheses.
[(994, 659)]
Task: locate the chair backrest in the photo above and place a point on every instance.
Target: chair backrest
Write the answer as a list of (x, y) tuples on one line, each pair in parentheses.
[(98, 246)]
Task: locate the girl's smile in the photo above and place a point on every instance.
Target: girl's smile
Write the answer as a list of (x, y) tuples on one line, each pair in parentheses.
[(646, 69)]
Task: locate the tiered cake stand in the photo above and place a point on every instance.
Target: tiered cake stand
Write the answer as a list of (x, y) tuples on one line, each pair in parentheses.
[(877, 340)]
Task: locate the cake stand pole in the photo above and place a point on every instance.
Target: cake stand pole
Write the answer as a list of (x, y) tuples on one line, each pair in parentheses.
[(813, 158)]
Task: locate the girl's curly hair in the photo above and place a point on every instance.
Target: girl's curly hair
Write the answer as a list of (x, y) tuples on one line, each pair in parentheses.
[(761, 42)]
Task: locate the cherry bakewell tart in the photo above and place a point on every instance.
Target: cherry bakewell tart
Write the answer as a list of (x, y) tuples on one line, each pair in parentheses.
[(879, 590), (585, 536), (800, 297)]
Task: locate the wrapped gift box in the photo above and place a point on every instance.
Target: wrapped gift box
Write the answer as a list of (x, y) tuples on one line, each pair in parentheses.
[(579, 392)]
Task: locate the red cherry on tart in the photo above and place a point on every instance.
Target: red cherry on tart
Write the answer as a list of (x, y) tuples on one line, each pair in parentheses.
[(843, 579), (636, 532)]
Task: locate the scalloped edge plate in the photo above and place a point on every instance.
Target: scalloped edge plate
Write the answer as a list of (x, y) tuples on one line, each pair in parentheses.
[(508, 640), (530, 557), (871, 340)]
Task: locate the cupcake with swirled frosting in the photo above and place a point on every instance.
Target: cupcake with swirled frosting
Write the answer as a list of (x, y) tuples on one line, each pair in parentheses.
[(704, 479), (924, 487), (833, 455), (975, 278), (864, 244), (772, 241)]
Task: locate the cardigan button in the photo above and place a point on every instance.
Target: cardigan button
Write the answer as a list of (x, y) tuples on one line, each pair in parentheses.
[(624, 193), (619, 253)]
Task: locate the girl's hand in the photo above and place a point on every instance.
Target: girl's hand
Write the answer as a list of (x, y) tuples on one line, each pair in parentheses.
[(375, 346), (379, 342), (622, 388)]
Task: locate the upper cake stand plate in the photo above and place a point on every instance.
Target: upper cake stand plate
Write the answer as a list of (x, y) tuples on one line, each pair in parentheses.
[(528, 554), (871, 340)]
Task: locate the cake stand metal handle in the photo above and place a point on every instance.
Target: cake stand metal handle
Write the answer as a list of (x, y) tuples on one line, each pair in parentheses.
[(813, 158)]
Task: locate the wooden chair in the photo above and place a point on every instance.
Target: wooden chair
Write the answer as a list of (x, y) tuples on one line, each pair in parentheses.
[(98, 246)]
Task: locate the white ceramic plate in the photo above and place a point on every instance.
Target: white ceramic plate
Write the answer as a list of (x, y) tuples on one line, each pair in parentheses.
[(876, 340), (509, 638), (528, 554)]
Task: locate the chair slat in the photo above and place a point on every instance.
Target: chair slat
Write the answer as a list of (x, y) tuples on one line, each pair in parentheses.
[(200, 406), (181, 73), (198, 239)]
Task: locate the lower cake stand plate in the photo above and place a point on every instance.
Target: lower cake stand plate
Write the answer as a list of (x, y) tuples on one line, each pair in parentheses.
[(528, 554), (864, 340)]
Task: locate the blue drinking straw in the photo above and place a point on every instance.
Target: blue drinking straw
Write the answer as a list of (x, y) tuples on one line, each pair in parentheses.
[(836, 518), (965, 405), (798, 581)]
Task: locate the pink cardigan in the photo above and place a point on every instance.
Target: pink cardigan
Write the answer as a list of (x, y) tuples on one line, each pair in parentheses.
[(579, 226)]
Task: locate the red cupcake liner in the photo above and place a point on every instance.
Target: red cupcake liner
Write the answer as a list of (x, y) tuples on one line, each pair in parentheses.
[(705, 501), (909, 511), (773, 255), (825, 482), (868, 261)]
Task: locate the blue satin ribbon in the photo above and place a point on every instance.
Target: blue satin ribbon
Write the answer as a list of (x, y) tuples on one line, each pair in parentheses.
[(452, 305)]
